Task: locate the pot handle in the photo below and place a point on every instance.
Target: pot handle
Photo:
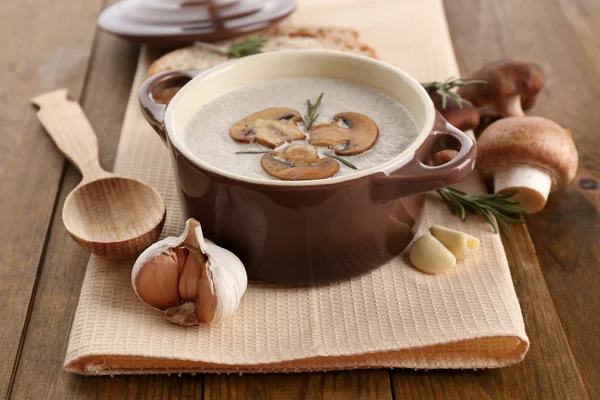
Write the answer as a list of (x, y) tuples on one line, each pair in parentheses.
[(415, 176), (153, 107)]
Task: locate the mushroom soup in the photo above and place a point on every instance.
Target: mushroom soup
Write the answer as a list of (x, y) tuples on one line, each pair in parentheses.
[(354, 123)]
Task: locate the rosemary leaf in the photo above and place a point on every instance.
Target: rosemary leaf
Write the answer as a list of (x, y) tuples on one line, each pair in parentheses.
[(457, 98), (470, 208), (497, 209), (506, 195), (503, 224), (449, 202), (490, 219), (340, 159), (245, 48), (445, 88), (515, 220), (463, 214), (311, 112), (253, 152), (248, 47)]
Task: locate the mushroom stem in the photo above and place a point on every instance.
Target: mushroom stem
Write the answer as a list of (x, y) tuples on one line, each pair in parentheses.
[(511, 107), (531, 184)]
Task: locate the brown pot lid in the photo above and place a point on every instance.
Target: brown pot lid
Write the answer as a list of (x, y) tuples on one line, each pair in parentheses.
[(119, 20)]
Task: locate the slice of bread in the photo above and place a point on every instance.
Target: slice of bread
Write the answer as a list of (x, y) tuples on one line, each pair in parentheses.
[(325, 32), (277, 38)]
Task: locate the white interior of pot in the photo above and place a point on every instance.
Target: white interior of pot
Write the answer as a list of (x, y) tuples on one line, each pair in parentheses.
[(299, 63)]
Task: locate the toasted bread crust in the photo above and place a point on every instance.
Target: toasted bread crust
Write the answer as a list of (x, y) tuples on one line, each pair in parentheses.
[(278, 38)]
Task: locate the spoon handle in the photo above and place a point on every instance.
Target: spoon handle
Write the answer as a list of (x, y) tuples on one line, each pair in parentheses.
[(68, 126)]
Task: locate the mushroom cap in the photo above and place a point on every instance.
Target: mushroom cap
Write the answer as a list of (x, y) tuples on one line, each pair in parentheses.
[(271, 127), (298, 162), (505, 78), (357, 136), (534, 141), (464, 118)]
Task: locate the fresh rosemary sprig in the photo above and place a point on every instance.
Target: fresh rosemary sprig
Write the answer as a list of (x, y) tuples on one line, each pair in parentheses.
[(311, 112), (245, 48), (248, 47), (445, 88), (340, 159), (253, 152), (495, 208)]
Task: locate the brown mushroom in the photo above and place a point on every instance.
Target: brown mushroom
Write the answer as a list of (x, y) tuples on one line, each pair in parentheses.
[(271, 127), (357, 135), (298, 162), (529, 156), (511, 86), (464, 116)]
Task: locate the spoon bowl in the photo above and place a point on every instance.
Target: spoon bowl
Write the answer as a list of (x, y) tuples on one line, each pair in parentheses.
[(111, 216), (130, 218)]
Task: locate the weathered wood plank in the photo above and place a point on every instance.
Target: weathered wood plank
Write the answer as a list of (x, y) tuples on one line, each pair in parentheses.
[(55, 383), (38, 54), (548, 371), (39, 373), (566, 233), (584, 17), (333, 385)]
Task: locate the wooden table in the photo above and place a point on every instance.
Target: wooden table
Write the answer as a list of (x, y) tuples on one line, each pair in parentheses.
[(555, 261)]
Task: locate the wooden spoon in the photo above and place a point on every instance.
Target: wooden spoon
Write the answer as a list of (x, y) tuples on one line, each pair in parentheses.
[(111, 216)]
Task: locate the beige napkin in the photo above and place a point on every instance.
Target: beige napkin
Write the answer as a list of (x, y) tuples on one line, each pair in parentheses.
[(395, 316)]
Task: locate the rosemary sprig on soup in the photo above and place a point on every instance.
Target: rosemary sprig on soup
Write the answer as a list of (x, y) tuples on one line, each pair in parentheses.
[(312, 112), (340, 159), (301, 128)]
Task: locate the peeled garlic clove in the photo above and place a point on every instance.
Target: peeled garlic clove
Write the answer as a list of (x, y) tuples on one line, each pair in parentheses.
[(459, 243), (429, 255), (192, 279)]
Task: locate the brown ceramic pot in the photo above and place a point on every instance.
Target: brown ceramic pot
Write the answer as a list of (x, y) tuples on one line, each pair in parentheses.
[(305, 231)]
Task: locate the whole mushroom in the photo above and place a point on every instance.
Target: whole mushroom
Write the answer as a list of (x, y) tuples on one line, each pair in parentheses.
[(463, 115), (511, 87), (529, 156)]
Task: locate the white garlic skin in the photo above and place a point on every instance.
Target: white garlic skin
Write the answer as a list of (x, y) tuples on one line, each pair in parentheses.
[(228, 275), (222, 279)]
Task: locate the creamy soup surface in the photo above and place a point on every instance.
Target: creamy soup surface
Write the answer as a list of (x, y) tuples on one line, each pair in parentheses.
[(206, 135)]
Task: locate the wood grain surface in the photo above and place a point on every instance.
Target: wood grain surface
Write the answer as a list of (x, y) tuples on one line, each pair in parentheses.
[(333, 385), (548, 371), (38, 55), (42, 268), (566, 233)]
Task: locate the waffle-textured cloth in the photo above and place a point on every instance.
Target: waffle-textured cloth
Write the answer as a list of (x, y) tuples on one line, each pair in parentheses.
[(395, 316)]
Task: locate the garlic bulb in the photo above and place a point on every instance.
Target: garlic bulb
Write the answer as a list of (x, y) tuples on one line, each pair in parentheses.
[(192, 279)]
